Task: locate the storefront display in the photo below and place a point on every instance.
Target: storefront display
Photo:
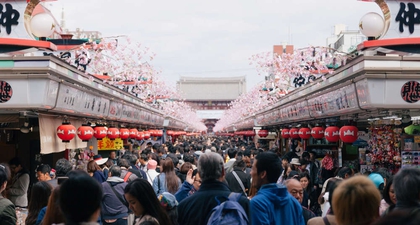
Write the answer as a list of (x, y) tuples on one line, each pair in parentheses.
[(384, 145), (410, 153)]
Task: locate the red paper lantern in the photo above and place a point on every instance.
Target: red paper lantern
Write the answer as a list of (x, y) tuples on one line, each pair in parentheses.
[(317, 132), (140, 136), (304, 133), (263, 133), (170, 133), (113, 133), (124, 133), (152, 133), (348, 134), (146, 135), (66, 132), (158, 133), (332, 134), (85, 132), (99, 132), (133, 133), (285, 133), (294, 133)]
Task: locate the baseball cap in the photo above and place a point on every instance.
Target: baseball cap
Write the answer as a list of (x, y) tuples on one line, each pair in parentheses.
[(377, 179)]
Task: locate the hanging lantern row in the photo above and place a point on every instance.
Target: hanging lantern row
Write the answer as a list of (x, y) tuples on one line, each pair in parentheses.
[(175, 133), (347, 134), (225, 134), (246, 133), (66, 132)]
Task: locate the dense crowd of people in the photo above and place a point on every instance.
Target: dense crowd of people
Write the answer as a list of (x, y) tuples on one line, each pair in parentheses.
[(207, 180)]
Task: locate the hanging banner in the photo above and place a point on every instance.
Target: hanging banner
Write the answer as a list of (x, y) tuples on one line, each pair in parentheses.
[(108, 144)]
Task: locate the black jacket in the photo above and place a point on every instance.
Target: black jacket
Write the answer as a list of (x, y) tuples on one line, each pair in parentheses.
[(307, 214), (233, 183), (196, 208)]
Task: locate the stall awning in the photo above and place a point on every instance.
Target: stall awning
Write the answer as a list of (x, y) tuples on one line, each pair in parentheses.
[(50, 143)]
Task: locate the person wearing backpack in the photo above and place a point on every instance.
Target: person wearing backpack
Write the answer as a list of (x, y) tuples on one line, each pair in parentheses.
[(238, 180), (114, 208), (213, 197), (127, 175), (272, 204)]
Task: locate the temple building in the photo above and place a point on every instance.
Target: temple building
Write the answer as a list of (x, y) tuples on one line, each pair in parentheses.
[(210, 96)]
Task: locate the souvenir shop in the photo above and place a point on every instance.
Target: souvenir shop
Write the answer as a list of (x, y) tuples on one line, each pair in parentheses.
[(362, 116)]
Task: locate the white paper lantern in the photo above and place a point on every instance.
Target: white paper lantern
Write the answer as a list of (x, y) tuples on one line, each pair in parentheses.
[(372, 25), (42, 25)]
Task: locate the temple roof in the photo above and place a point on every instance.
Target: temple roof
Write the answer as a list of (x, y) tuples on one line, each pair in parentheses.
[(211, 88)]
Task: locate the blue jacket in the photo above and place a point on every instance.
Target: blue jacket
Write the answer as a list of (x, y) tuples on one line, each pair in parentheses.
[(99, 176), (159, 189), (41, 215), (274, 205), (184, 191)]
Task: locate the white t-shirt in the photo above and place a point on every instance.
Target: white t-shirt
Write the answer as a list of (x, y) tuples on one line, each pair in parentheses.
[(326, 206)]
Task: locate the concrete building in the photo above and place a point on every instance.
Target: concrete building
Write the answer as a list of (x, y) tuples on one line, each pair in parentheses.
[(210, 96), (344, 40)]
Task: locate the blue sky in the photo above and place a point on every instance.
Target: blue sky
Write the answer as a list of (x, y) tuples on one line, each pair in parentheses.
[(213, 38)]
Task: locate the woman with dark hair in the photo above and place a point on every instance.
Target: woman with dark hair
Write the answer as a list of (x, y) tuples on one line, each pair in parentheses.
[(167, 180), (389, 196), (7, 209), (53, 214), (41, 191), (184, 170), (95, 171), (143, 202), (80, 198), (309, 194)]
